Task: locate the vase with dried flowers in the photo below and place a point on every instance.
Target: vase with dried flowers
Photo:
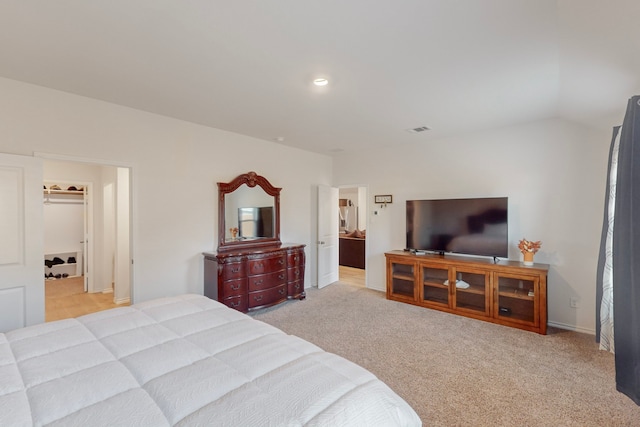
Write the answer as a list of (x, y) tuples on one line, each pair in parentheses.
[(528, 248), (234, 232)]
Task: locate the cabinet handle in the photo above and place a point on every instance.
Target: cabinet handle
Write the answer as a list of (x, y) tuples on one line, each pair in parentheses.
[(297, 272), (297, 286), (281, 291), (234, 304), (281, 261), (258, 266), (236, 287), (295, 258), (281, 276), (235, 270), (258, 282), (258, 298)]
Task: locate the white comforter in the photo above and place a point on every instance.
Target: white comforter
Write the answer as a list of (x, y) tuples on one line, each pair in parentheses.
[(185, 360)]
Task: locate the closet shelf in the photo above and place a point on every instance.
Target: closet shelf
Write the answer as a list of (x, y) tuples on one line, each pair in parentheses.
[(73, 192)]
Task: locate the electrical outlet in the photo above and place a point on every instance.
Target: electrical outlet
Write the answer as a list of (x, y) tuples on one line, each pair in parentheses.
[(573, 302)]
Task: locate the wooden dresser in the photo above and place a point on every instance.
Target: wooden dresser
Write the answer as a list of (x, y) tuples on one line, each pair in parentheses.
[(252, 278)]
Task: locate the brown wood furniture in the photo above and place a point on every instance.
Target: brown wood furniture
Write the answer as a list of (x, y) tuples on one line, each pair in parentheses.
[(508, 292), (252, 269), (352, 251)]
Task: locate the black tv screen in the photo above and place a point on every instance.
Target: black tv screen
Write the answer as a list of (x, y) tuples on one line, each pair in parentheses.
[(476, 226), (255, 222)]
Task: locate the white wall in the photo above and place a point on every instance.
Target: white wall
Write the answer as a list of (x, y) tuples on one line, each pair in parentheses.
[(553, 172), (175, 167), (63, 223)]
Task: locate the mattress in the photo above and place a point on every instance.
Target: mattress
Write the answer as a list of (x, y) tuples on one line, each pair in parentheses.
[(183, 361)]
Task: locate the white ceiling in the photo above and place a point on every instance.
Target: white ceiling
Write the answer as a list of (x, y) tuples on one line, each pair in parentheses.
[(246, 66)]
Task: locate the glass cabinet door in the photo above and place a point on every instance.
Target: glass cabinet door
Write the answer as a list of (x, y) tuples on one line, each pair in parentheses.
[(471, 290), (434, 282), (516, 299), (402, 280)]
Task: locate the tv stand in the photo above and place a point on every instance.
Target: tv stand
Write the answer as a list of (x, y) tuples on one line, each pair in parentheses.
[(508, 293)]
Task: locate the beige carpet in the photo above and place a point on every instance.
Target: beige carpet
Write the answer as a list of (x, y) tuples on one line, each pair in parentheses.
[(456, 371)]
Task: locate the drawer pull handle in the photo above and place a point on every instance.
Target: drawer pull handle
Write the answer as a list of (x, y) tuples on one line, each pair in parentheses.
[(235, 287), (235, 270), (281, 261), (258, 266), (259, 282), (297, 286), (297, 272), (281, 291), (281, 276), (234, 304), (295, 258), (258, 298)]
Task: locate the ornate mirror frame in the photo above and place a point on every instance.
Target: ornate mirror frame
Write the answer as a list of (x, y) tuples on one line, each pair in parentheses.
[(250, 179)]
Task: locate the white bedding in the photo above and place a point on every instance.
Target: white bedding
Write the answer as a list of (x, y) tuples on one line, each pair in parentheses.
[(185, 360)]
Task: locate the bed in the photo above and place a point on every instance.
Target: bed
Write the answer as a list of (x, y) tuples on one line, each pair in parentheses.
[(183, 361)]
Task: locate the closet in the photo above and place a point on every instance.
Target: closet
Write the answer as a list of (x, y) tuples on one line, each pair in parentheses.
[(64, 225)]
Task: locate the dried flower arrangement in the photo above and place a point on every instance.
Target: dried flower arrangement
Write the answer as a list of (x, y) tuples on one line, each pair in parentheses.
[(529, 246)]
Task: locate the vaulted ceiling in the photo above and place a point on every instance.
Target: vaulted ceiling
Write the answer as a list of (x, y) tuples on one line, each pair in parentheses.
[(247, 66)]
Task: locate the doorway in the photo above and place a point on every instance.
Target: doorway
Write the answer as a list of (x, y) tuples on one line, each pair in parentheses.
[(352, 206), (96, 229)]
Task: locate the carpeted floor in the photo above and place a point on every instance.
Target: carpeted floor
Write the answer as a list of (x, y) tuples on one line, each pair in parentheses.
[(456, 371)]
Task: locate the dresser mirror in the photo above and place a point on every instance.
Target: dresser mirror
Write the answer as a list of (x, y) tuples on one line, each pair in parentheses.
[(248, 213)]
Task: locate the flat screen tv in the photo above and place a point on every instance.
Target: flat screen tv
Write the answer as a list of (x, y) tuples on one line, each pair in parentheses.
[(255, 222), (477, 226)]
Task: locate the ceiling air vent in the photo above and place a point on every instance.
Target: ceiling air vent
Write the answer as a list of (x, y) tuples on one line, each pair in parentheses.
[(418, 130)]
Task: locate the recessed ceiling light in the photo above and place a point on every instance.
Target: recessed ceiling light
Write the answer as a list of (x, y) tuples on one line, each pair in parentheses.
[(320, 82)]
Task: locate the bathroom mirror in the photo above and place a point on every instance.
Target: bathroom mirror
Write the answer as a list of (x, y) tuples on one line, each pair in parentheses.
[(248, 213)]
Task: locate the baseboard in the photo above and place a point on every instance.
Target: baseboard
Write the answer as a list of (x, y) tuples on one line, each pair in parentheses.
[(123, 301), (571, 328), (107, 291)]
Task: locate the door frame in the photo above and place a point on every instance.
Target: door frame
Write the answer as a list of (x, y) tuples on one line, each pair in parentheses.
[(367, 223), (131, 196), (87, 228)]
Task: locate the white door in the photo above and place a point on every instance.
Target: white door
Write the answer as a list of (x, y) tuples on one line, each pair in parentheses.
[(327, 235), (87, 241), (21, 242)]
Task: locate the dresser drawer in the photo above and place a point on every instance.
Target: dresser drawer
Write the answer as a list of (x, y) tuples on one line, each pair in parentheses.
[(295, 258), (267, 265), (295, 273), (232, 270), (239, 303), (267, 297), (234, 287), (295, 288), (266, 281)]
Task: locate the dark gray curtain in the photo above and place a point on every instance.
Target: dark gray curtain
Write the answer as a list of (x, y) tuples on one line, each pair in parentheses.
[(626, 256)]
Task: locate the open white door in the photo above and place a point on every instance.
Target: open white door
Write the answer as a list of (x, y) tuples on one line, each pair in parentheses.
[(87, 242), (327, 235), (21, 237)]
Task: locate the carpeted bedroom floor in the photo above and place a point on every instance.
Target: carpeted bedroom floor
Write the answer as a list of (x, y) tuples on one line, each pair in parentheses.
[(456, 371)]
